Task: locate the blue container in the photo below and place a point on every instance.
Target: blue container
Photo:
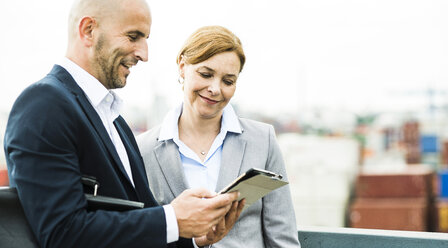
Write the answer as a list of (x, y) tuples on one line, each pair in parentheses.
[(443, 183), (429, 143)]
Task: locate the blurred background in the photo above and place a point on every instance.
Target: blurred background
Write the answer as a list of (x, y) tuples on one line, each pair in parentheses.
[(356, 90)]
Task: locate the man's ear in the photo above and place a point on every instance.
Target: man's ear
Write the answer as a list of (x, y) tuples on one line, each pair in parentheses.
[(86, 28)]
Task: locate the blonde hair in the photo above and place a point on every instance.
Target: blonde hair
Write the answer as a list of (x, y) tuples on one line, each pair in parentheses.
[(208, 41)]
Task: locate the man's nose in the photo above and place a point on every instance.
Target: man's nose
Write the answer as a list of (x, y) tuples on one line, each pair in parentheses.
[(141, 51)]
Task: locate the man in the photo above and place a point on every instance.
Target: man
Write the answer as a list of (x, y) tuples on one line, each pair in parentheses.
[(67, 125)]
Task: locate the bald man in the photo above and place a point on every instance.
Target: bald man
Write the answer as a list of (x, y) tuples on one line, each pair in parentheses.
[(67, 125)]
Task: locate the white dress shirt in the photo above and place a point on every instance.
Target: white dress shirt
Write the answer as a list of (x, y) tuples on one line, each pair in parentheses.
[(107, 104)]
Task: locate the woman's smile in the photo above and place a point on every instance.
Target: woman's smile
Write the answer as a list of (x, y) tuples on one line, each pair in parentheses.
[(208, 100)]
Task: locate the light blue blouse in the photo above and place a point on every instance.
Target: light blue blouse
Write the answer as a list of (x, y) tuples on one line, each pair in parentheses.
[(200, 174)]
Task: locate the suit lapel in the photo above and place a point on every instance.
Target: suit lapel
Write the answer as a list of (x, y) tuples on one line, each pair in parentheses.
[(168, 158), (99, 127), (68, 81), (231, 161), (137, 167)]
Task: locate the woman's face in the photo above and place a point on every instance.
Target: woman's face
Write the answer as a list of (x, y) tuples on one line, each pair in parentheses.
[(209, 85)]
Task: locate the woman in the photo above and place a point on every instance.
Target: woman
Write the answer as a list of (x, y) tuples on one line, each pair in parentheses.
[(202, 143)]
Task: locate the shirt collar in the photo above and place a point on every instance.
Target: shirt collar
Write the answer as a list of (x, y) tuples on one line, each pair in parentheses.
[(170, 130), (95, 91)]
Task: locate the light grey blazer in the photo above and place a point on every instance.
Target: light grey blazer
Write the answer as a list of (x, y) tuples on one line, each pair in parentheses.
[(269, 222)]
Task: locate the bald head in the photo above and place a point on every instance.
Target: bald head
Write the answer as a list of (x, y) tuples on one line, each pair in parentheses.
[(102, 10)]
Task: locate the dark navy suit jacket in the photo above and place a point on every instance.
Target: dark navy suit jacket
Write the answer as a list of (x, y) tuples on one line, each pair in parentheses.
[(53, 137)]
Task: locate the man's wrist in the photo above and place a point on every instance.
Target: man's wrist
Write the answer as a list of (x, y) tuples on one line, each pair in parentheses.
[(172, 229)]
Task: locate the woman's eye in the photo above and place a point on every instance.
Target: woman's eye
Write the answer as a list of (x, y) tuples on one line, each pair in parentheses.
[(228, 82), (205, 75)]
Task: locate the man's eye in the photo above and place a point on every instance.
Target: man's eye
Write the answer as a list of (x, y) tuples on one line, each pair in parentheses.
[(205, 75), (132, 37)]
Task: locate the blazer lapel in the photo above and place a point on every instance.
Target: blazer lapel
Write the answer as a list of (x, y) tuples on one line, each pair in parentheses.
[(167, 154), (231, 161), (68, 81), (99, 127), (137, 167)]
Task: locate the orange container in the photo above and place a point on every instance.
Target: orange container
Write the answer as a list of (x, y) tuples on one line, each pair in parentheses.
[(4, 181), (416, 181), (407, 214)]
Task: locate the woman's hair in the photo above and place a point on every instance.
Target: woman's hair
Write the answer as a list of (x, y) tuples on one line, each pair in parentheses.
[(208, 41)]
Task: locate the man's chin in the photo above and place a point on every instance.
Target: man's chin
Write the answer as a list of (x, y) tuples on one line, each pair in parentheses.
[(120, 83)]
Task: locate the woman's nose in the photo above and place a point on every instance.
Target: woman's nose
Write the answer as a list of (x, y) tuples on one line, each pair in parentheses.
[(214, 87)]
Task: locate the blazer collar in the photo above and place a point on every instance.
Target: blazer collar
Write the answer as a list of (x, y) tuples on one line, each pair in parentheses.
[(67, 80), (170, 164), (169, 161), (92, 88), (232, 159)]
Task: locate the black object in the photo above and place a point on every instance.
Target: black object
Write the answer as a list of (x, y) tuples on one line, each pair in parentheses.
[(97, 202), (15, 231), (111, 204)]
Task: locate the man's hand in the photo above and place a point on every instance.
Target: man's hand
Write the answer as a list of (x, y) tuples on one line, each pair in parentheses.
[(219, 231), (198, 210)]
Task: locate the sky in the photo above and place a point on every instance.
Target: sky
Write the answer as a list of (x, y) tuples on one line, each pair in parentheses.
[(350, 55)]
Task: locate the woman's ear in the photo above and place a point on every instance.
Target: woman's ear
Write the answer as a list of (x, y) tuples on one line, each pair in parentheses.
[(182, 67)]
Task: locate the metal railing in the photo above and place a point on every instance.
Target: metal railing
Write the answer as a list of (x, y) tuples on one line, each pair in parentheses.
[(310, 237), (327, 237)]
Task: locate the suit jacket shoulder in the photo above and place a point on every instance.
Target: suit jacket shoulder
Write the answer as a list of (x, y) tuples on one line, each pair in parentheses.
[(148, 140), (54, 136), (255, 130)]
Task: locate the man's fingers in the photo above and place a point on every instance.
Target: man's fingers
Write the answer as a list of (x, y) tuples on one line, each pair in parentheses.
[(211, 235), (220, 214), (234, 206), (234, 195), (241, 206), (208, 210), (223, 219), (221, 227), (202, 193), (223, 200), (230, 216)]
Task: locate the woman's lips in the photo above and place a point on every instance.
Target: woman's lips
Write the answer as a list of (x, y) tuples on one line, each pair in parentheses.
[(208, 100)]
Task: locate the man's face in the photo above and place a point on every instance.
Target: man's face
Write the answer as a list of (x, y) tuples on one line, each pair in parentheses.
[(121, 43)]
